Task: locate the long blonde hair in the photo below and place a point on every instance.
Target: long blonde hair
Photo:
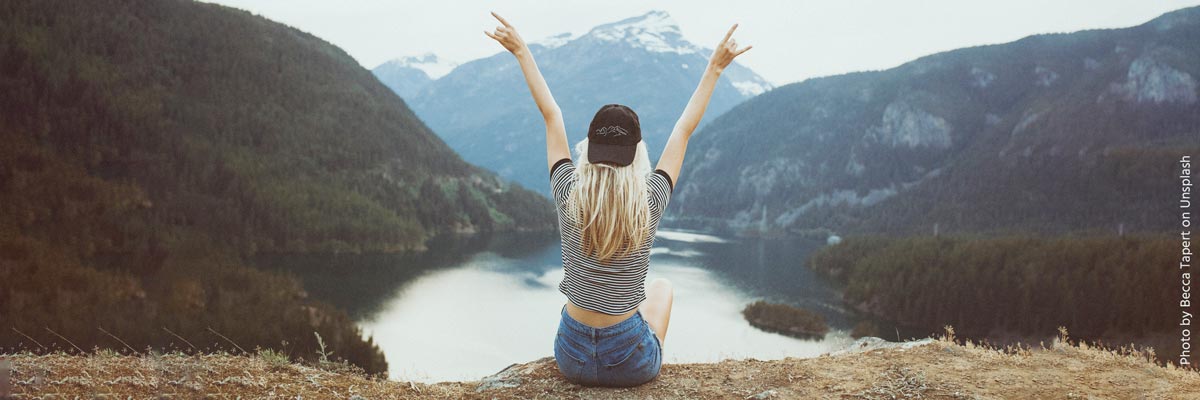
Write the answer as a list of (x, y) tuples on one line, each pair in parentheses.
[(609, 204)]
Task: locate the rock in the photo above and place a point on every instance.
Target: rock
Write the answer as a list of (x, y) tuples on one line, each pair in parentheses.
[(1045, 76), (1151, 80), (907, 125), (981, 78), (510, 376), (870, 343), (770, 393)]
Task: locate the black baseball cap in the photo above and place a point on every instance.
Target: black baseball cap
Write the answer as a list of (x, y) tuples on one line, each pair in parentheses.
[(614, 135)]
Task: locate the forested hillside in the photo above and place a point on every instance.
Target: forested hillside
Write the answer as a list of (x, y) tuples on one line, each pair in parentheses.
[(1100, 288), (150, 146), (1051, 133)]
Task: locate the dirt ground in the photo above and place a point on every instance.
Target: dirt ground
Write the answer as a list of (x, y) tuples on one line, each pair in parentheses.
[(930, 369)]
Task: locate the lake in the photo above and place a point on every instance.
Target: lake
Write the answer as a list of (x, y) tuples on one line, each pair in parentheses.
[(472, 305)]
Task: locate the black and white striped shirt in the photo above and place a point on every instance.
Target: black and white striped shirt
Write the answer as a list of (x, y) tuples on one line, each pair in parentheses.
[(618, 285)]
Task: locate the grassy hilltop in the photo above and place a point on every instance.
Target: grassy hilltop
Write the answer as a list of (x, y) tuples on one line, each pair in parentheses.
[(930, 369)]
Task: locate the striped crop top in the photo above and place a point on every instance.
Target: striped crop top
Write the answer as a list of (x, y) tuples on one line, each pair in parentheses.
[(618, 285)]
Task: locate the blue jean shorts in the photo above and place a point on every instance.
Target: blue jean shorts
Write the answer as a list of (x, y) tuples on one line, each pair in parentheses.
[(623, 354)]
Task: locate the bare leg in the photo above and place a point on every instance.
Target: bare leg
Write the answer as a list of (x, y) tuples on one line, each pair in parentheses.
[(657, 307)]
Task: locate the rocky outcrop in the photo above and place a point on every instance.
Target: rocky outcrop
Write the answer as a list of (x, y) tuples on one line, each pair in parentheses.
[(1150, 80), (868, 344), (906, 125)]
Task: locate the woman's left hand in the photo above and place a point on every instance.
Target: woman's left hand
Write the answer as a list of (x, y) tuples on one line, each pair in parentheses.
[(507, 35), (726, 51)]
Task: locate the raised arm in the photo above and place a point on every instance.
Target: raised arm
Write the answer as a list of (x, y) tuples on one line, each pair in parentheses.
[(672, 156), (556, 133)]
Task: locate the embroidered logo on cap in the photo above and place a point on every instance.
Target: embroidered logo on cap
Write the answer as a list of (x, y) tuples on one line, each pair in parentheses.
[(612, 129)]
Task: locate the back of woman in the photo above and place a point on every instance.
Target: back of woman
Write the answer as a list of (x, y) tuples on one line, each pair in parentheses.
[(607, 196), (614, 324)]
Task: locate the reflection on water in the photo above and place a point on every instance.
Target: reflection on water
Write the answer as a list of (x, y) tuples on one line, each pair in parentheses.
[(361, 283), (471, 306), (690, 237)]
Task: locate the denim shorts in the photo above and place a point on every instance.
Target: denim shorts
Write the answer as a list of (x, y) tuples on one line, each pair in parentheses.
[(623, 354)]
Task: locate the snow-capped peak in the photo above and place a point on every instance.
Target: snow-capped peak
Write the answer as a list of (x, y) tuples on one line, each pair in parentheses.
[(428, 63), (557, 40), (653, 31)]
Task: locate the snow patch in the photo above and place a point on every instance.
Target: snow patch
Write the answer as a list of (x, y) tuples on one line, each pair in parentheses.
[(428, 63), (654, 31), (557, 40)]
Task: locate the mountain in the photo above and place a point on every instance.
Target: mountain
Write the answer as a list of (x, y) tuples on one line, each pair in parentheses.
[(483, 110), (1050, 133), (217, 140), (408, 75), (151, 146)]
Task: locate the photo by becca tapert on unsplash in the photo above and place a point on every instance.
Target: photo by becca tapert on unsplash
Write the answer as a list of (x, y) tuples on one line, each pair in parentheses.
[(1185, 260)]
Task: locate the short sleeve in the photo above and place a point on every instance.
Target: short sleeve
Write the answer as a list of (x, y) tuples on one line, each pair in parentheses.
[(660, 186), (562, 178)]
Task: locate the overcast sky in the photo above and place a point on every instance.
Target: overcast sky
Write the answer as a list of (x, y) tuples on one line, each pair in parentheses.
[(793, 40)]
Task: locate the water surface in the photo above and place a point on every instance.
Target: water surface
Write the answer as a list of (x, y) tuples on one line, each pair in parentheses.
[(471, 306)]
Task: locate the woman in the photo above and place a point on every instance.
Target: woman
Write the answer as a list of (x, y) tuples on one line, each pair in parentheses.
[(613, 325)]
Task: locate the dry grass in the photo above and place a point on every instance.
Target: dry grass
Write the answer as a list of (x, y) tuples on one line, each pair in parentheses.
[(942, 369)]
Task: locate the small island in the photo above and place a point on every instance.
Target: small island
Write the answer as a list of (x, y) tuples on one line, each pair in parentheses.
[(786, 320)]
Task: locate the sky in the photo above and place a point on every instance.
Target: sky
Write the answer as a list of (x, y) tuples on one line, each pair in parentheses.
[(793, 40)]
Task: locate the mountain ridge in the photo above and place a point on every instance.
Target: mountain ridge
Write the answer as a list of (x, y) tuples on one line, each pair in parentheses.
[(408, 75), (904, 150), (482, 108)]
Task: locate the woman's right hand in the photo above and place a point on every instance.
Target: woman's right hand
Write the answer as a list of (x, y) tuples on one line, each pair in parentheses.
[(726, 51), (507, 36)]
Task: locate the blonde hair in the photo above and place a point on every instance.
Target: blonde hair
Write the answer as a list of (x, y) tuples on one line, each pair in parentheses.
[(609, 204)]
